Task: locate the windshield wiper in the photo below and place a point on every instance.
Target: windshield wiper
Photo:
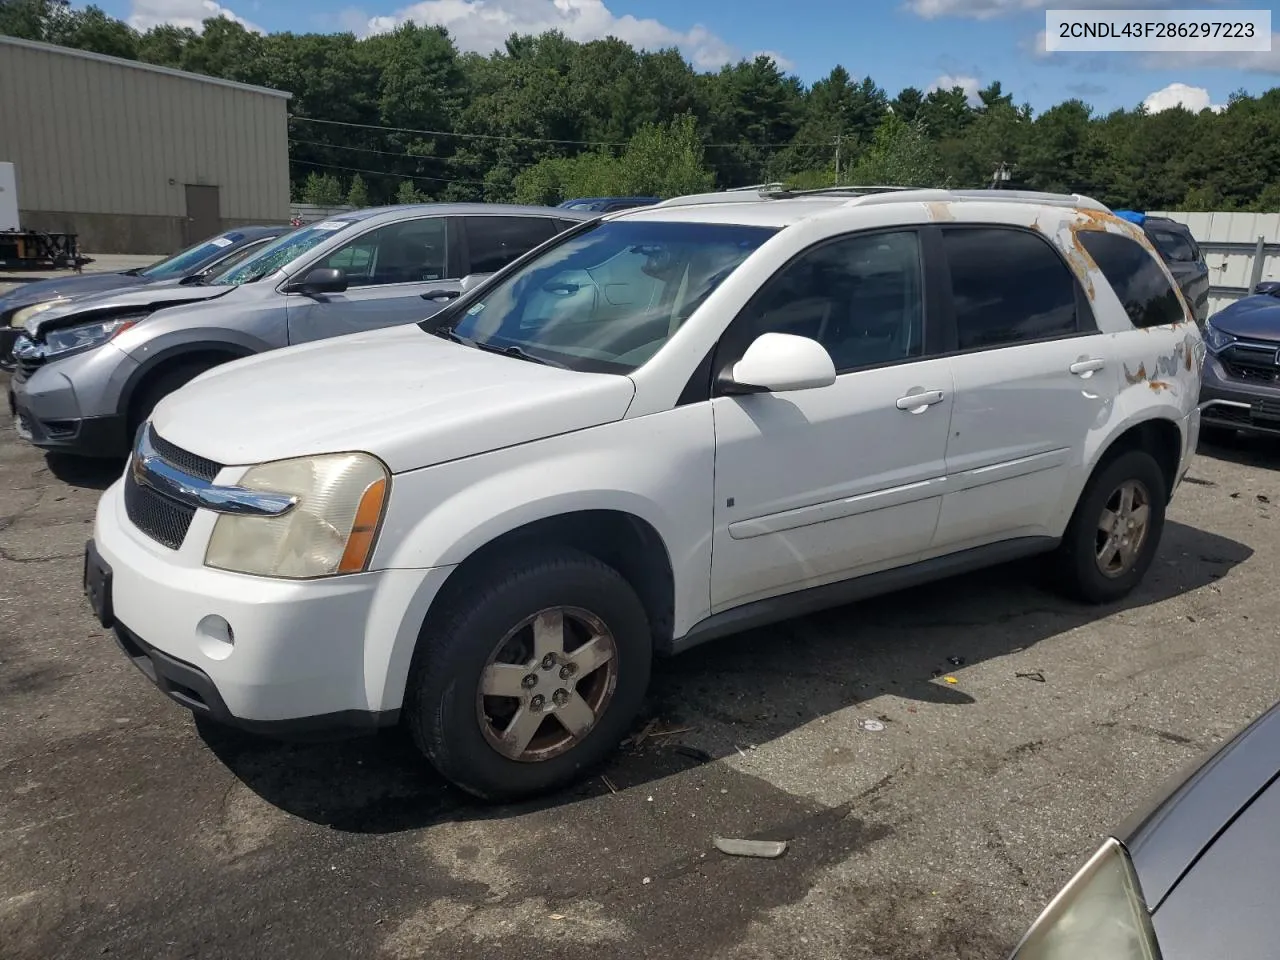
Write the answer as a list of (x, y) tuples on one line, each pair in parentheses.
[(511, 350)]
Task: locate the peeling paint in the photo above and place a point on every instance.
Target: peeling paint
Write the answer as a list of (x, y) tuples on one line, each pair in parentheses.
[(939, 212), (1135, 377), (1158, 385)]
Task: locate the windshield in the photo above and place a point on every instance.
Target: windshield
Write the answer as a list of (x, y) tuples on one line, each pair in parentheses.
[(607, 299), (191, 259), (281, 251)]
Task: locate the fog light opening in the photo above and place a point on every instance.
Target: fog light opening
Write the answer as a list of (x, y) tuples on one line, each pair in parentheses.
[(215, 637)]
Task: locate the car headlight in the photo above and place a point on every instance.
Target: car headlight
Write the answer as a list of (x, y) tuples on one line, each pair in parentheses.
[(1215, 339), (86, 335), (1099, 914), (331, 529), (26, 313)]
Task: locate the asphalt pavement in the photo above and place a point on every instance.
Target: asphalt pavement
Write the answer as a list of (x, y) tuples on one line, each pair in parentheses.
[(127, 830)]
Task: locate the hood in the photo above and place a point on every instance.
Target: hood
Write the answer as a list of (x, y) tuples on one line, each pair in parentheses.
[(71, 286), (1166, 838), (1256, 316), (145, 298), (404, 395)]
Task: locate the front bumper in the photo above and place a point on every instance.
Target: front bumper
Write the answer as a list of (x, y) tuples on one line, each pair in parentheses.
[(1237, 405), (267, 655), (74, 405)]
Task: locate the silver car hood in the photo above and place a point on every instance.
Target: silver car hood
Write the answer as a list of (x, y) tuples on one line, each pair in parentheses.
[(141, 299)]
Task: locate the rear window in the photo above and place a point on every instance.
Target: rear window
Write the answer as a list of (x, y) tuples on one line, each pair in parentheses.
[(1172, 244), (1147, 295)]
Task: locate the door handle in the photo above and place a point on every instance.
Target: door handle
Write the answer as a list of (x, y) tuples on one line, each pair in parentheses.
[(1086, 368), (440, 294), (919, 402)]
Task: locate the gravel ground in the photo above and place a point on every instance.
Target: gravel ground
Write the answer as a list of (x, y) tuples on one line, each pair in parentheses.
[(128, 830)]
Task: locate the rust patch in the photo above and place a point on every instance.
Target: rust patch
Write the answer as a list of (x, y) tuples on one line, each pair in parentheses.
[(939, 212), (1158, 385), (1135, 377), (1187, 357)]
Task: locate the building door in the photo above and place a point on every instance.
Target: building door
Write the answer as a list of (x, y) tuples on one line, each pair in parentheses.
[(203, 217)]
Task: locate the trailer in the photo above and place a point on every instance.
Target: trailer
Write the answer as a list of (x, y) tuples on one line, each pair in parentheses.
[(31, 249)]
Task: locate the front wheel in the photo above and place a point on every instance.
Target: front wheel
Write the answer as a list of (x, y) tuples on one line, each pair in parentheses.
[(530, 676), (1115, 531)]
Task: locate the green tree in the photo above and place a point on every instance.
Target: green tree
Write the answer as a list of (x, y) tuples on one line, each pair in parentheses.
[(900, 155), (322, 189), (408, 193), (358, 193)]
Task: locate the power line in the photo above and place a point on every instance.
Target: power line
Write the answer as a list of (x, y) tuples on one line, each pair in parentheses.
[(385, 173), (387, 153), (509, 139)]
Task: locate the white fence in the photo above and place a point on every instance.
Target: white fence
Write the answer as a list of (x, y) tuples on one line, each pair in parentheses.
[(1241, 249)]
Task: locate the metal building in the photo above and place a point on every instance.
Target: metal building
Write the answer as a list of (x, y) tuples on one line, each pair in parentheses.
[(137, 158)]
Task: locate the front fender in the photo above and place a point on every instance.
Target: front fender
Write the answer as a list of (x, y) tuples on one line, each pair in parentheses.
[(440, 515)]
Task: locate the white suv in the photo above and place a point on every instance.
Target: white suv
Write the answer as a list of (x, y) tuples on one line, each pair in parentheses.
[(664, 426)]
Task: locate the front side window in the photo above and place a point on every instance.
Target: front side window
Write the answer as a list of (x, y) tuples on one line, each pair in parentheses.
[(192, 258), (1147, 295), (1008, 287), (607, 299), (283, 251), (861, 297), (409, 252), (493, 242)]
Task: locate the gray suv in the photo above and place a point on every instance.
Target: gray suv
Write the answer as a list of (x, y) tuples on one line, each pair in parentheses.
[(88, 372)]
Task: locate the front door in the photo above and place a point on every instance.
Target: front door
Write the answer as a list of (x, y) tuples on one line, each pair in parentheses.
[(820, 485), (204, 216), (1032, 378), (388, 269)]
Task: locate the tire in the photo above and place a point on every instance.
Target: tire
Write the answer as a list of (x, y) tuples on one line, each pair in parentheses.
[(169, 380), (462, 732), (1077, 566)]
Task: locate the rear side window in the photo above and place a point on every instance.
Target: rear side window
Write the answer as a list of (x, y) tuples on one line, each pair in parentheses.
[(1148, 297), (493, 242), (1008, 287), (1172, 244)]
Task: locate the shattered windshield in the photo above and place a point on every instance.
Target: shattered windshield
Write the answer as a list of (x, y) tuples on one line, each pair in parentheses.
[(282, 251)]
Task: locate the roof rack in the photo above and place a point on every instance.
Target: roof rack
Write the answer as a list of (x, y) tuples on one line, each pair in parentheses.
[(772, 191)]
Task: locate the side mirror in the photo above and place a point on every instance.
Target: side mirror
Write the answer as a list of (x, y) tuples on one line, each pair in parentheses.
[(472, 280), (780, 362), (1269, 288), (319, 280)]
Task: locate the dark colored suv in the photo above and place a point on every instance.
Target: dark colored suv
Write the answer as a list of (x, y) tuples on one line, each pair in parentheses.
[(1181, 254), (1241, 385)]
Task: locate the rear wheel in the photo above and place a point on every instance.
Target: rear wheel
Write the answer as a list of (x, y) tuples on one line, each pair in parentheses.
[(530, 676), (1115, 531)]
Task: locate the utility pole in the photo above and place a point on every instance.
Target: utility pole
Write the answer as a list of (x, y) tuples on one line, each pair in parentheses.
[(837, 159), (1001, 176)]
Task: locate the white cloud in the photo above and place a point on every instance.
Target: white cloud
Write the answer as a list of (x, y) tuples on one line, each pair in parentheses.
[(969, 85), (1194, 99), (484, 25), (181, 13)]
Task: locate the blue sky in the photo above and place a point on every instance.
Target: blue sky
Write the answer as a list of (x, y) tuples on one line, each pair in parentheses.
[(899, 43)]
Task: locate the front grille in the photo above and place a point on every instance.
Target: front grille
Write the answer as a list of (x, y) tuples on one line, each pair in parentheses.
[(160, 518), (1224, 413), (1252, 362), (184, 460)]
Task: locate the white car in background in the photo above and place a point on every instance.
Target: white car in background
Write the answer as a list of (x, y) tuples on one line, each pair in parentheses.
[(668, 425)]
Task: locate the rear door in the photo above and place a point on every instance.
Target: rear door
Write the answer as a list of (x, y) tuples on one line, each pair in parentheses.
[(1032, 377), (388, 270)]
